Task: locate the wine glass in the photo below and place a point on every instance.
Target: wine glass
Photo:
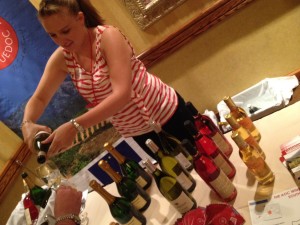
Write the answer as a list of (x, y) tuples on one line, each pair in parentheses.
[(50, 174)]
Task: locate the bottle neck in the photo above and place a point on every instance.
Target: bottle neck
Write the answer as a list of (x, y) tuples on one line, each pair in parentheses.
[(230, 103), (110, 171), (117, 155), (232, 122), (101, 191)]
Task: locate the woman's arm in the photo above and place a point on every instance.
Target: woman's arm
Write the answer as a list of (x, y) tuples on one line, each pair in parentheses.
[(54, 74)]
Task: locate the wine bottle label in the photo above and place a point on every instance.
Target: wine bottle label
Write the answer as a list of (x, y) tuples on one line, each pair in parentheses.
[(185, 182), (139, 202), (141, 181), (222, 164), (222, 185), (184, 162), (133, 221), (183, 203), (221, 143)]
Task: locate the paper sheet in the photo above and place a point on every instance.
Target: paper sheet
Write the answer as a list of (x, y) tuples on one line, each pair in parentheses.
[(282, 208)]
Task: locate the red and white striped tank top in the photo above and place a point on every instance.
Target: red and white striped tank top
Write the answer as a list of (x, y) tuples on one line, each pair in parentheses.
[(151, 99)]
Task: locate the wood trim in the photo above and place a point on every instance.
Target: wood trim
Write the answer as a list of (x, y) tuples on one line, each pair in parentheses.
[(12, 169), (216, 13)]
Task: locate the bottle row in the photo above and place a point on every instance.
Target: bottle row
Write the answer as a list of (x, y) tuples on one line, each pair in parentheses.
[(208, 155)]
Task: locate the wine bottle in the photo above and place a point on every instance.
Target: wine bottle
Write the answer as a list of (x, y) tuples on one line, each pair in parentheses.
[(206, 126), (171, 166), (211, 174), (171, 189), (242, 118), (253, 160), (172, 146), (127, 187), (31, 211), (244, 133), (41, 148), (120, 208), (206, 146), (129, 167), (39, 195)]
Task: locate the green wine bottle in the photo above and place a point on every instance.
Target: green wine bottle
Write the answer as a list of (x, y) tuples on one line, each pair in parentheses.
[(171, 189), (120, 208), (172, 146), (38, 195), (130, 168), (171, 166), (127, 187)]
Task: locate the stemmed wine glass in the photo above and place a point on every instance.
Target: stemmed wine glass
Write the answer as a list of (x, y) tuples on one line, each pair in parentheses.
[(50, 174)]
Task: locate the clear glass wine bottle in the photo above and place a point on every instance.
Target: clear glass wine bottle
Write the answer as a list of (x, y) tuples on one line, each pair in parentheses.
[(207, 127), (253, 160), (206, 146), (169, 187), (171, 166), (242, 117), (211, 174)]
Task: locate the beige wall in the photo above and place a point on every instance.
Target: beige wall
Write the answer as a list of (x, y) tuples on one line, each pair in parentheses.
[(261, 40)]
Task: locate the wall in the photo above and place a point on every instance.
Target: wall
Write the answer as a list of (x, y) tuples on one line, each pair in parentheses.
[(258, 41)]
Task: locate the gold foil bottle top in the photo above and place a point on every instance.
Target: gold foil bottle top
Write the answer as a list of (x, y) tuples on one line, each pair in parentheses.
[(104, 165), (114, 152), (101, 191)]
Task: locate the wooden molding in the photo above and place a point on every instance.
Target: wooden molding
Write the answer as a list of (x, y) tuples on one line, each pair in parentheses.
[(12, 169), (216, 13)]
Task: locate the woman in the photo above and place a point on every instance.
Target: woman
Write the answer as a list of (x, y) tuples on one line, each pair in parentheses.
[(105, 71)]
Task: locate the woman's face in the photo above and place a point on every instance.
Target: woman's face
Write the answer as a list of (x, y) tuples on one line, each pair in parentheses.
[(66, 30)]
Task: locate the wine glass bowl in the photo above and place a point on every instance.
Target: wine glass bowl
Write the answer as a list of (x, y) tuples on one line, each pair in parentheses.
[(50, 174)]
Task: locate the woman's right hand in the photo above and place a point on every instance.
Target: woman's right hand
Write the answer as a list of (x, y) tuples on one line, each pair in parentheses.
[(29, 130)]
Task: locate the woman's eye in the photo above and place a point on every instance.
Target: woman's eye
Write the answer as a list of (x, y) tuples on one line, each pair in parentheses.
[(66, 31)]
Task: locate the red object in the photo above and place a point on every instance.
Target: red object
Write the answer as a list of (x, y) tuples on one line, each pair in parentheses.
[(33, 210)]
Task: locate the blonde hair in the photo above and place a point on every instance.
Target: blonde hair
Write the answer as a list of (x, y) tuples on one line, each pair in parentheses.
[(51, 7)]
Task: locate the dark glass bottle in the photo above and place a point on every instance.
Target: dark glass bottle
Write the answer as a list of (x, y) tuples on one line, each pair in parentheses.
[(129, 167), (171, 166), (127, 187), (207, 127), (169, 187), (39, 195), (172, 146), (120, 208), (41, 148), (206, 146), (211, 174)]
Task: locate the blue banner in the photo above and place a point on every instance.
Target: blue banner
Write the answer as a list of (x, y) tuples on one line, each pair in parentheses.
[(24, 50)]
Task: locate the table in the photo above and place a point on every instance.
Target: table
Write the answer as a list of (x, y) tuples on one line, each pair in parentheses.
[(276, 128)]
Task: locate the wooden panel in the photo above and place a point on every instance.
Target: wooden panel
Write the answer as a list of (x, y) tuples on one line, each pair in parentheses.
[(216, 13)]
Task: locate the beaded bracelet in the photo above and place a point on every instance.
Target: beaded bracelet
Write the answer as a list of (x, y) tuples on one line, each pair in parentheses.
[(77, 125), (73, 217)]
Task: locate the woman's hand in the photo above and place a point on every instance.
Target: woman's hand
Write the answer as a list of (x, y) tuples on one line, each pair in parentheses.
[(62, 139), (29, 130), (67, 201)]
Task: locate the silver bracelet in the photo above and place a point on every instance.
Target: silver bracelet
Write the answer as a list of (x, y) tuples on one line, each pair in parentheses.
[(24, 122), (77, 125), (73, 217)]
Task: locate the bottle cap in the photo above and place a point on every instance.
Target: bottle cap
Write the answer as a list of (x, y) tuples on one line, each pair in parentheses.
[(152, 146), (149, 166)]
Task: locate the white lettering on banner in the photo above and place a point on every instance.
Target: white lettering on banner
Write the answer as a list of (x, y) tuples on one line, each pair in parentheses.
[(7, 49)]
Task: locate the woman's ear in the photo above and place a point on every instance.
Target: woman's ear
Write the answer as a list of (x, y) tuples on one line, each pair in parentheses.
[(80, 17)]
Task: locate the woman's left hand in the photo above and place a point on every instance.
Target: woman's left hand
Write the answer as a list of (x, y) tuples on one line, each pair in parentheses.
[(62, 139)]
